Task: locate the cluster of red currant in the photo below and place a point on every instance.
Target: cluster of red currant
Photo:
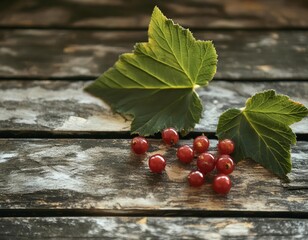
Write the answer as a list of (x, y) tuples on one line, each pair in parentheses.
[(206, 162)]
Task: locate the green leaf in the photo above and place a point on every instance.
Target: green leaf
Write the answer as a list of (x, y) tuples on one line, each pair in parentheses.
[(156, 83), (261, 130)]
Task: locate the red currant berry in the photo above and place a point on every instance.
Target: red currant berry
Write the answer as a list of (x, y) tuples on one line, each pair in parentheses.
[(157, 163), (225, 164), (222, 184), (225, 146), (195, 179), (170, 136), (139, 145), (185, 154), (201, 144), (206, 162)]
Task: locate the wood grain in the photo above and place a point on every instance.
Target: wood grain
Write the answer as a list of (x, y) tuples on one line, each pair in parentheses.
[(248, 55), (136, 13), (63, 107), (104, 177), (152, 228), (79, 178)]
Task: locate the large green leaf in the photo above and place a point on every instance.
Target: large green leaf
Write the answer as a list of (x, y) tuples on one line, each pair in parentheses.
[(156, 83), (261, 130)]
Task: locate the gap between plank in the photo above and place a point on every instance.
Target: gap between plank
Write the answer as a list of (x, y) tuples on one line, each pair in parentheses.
[(147, 213), (104, 135), (88, 135)]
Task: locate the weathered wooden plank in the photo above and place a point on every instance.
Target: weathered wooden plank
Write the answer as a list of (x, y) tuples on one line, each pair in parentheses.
[(242, 54), (62, 106), (105, 177), (152, 228), (136, 13)]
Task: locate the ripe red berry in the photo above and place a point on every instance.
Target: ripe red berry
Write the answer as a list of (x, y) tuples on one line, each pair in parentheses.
[(225, 146), (185, 154), (201, 144), (157, 163), (170, 136), (195, 179), (139, 145), (225, 164), (222, 184), (206, 162)]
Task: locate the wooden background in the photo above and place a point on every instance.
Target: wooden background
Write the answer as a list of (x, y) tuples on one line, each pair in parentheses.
[(66, 168)]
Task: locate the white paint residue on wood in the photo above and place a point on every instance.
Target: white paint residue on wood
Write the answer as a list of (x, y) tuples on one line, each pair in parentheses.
[(260, 204), (95, 123), (71, 153), (148, 201), (6, 156), (22, 116), (46, 175), (107, 121), (73, 93), (23, 182), (264, 42), (53, 152), (52, 180), (81, 70), (49, 175), (103, 225), (62, 167), (236, 229), (246, 90), (218, 91)]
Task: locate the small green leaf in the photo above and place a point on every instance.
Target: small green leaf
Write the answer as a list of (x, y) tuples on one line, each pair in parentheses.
[(261, 130), (156, 83)]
